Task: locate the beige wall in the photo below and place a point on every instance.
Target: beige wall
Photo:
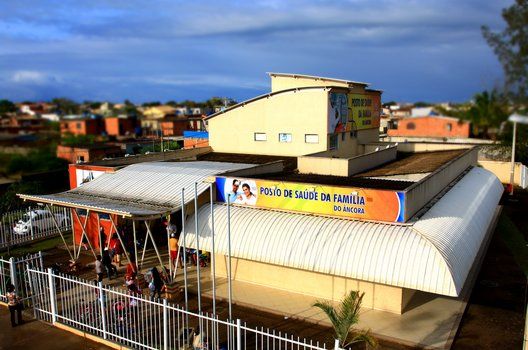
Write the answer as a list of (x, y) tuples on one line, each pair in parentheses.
[(279, 83), (377, 296), (323, 164), (299, 113), (502, 170)]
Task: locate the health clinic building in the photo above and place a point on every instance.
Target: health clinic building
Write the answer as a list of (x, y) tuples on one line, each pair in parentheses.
[(319, 205), (355, 214)]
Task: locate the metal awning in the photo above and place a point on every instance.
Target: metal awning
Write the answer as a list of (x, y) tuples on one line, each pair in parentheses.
[(140, 190), (433, 254)]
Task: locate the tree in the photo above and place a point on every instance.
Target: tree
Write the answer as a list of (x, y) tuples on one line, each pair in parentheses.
[(65, 105), (7, 106), (511, 47), (345, 317), (420, 104), (489, 110)]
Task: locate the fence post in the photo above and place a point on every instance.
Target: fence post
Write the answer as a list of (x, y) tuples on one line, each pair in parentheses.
[(31, 224), (41, 261), (13, 273), (336, 344), (51, 282), (239, 334), (165, 326), (101, 304), (31, 290)]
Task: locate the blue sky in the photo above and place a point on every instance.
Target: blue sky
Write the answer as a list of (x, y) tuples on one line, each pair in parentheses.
[(174, 50)]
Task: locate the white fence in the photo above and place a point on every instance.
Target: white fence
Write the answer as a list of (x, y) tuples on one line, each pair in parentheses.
[(137, 322), (15, 271), (23, 226)]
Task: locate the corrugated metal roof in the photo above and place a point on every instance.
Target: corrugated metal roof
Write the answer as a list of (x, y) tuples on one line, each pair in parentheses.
[(143, 189), (434, 254)]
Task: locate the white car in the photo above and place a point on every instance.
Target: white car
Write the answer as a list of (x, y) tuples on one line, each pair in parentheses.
[(41, 220)]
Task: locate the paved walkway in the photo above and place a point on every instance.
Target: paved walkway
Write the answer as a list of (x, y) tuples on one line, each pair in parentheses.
[(35, 334)]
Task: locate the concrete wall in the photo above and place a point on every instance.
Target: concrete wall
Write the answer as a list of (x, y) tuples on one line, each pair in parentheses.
[(321, 163), (502, 171), (419, 194), (377, 296), (297, 112)]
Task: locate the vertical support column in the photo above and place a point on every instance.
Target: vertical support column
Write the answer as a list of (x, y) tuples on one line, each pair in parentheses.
[(13, 273), (135, 243), (101, 244), (165, 326), (336, 344), (512, 170), (184, 249), (102, 306), (213, 253), (229, 286), (198, 282), (51, 282), (239, 334), (168, 218)]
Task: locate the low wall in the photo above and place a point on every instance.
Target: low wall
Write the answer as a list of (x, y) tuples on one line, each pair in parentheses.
[(502, 171), (419, 194), (377, 296), (320, 163)]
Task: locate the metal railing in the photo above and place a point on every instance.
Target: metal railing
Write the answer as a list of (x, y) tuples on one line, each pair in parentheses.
[(24, 226), (15, 271), (134, 321)]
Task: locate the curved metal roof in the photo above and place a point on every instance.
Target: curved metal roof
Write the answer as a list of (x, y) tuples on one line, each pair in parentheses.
[(143, 189), (434, 254)]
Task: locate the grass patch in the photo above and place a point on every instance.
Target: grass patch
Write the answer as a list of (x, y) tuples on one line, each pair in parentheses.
[(515, 241), (43, 245)]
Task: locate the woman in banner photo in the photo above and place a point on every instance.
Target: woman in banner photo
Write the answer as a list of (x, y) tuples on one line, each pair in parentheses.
[(247, 197)]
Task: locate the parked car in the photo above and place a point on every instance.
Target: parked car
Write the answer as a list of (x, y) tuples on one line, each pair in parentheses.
[(41, 220)]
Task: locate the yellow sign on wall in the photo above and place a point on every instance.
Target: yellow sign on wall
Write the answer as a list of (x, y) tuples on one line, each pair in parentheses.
[(349, 112), (368, 204)]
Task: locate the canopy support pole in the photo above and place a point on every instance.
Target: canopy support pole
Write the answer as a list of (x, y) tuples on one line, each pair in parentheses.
[(60, 232), (120, 239), (168, 243), (144, 248), (135, 242), (83, 227), (99, 231), (154, 243)]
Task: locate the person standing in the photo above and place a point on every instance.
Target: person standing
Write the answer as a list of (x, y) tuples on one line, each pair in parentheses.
[(117, 249), (99, 268), (156, 284), (107, 264), (102, 238), (14, 305)]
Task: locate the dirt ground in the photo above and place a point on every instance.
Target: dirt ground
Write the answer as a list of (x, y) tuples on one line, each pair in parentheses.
[(495, 315)]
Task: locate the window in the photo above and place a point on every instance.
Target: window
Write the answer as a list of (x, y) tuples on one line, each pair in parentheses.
[(260, 136), (311, 138), (333, 141), (79, 126), (411, 126), (285, 137), (449, 126)]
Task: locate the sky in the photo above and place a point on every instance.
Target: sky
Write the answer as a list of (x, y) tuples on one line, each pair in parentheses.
[(148, 50)]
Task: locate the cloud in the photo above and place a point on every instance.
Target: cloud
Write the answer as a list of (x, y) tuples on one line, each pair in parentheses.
[(32, 77), (167, 49)]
